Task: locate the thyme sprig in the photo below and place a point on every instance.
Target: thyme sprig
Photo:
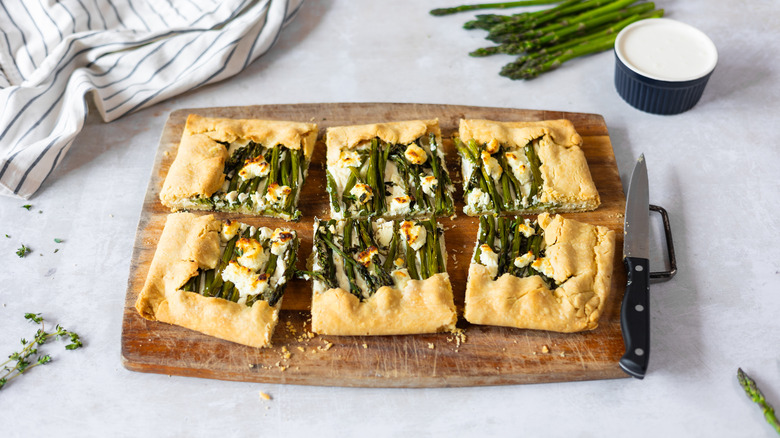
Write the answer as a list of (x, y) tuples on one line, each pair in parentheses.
[(30, 357), (23, 251)]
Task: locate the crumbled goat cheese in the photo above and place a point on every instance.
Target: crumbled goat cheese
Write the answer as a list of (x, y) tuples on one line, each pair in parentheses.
[(523, 260), (280, 239), (400, 205), (415, 154), (247, 282), (365, 257), (362, 192), (478, 199), (415, 235), (254, 167), (518, 162), (400, 277), (252, 254), (229, 229), (543, 265), (492, 146), (231, 197), (277, 194), (492, 166), (429, 185), (349, 158), (488, 259), (527, 229)]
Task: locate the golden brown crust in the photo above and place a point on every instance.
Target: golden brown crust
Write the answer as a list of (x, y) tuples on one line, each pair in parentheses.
[(197, 170), (567, 180), (198, 167), (340, 138), (518, 134), (424, 306), (579, 253), (292, 135), (189, 242)]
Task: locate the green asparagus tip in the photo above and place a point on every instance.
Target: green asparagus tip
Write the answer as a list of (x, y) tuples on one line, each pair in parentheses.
[(755, 394), (485, 51)]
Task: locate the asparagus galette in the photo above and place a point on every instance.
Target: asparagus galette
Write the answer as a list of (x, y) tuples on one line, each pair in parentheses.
[(549, 274), (221, 278), (380, 278), (388, 170), (524, 167), (246, 166)]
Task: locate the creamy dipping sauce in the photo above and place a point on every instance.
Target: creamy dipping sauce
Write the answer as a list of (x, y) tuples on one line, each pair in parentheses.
[(666, 50)]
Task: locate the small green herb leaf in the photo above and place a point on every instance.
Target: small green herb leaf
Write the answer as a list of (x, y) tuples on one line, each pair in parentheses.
[(27, 206), (23, 251), (34, 317), (58, 240)]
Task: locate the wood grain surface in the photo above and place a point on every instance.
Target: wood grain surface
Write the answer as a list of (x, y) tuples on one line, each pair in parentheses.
[(480, 355)]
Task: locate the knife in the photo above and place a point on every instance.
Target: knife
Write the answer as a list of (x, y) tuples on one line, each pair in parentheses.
[(635, 311)]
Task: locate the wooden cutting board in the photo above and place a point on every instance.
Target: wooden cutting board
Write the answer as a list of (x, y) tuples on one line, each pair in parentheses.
[(480, 355)]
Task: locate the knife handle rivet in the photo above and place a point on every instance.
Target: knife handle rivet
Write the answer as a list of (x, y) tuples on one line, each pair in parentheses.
[(639, 268), (639, 308), (639, 352)]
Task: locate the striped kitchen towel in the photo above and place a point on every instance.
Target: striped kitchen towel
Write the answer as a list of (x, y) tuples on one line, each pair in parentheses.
[(129, 54)]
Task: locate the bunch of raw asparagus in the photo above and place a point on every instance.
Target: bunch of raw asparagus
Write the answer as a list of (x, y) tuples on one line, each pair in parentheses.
[(547, 38)]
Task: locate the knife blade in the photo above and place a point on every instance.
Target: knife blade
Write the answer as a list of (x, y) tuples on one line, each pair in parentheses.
[(635, 310)]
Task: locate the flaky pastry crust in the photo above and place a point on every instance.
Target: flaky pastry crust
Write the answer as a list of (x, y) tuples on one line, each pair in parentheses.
[(581, 256), (189, 242), (349, 137), (423, 306)]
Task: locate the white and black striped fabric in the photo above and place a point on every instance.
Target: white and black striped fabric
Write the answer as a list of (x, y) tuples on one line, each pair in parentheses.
[(129, 54)]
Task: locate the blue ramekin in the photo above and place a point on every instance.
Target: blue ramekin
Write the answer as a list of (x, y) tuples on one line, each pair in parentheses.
[(656, 91)]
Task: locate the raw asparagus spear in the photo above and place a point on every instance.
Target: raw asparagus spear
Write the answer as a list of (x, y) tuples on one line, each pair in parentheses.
[(501, 5), (755, 394)]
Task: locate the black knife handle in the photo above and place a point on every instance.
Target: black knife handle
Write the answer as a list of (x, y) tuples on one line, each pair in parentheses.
[(635, 317)]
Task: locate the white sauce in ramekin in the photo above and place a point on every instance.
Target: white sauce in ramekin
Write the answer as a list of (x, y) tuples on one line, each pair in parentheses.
[(666, 50)]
